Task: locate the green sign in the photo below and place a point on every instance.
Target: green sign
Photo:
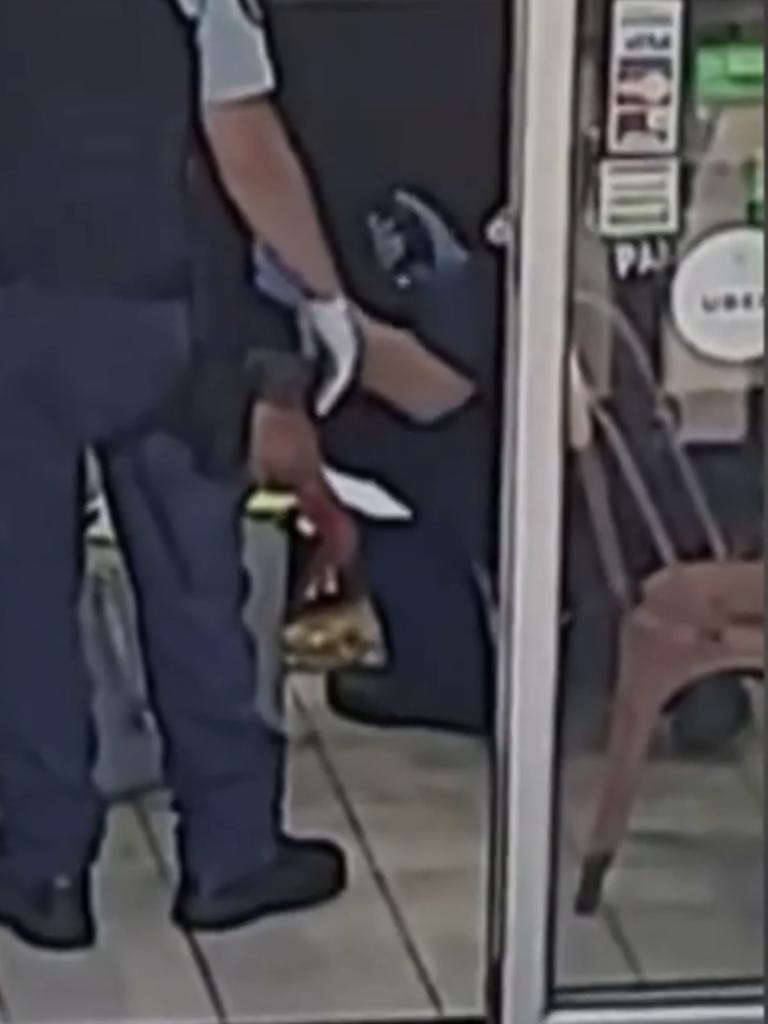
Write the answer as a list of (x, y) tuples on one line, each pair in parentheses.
[(730, 73)]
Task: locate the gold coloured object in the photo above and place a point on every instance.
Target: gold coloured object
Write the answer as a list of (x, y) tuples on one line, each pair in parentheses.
[(333, 637)]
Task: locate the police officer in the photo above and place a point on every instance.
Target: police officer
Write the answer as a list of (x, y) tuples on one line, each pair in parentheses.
[(104, 252), (263, 175)]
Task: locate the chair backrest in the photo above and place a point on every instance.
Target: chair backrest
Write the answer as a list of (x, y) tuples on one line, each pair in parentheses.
[(583, 442), (595, 430)]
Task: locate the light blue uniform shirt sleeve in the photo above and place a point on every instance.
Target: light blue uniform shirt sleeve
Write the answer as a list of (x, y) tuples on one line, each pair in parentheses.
[(235, 61)]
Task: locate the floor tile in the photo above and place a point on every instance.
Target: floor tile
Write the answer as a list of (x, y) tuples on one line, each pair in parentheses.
[(343, 960), (422, 801), (587, 952), (441, 908), (688, 892), (690, 946), (142, 969), (676, 798)]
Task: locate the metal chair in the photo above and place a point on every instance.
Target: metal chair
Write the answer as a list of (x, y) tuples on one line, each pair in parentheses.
[(685, 621)]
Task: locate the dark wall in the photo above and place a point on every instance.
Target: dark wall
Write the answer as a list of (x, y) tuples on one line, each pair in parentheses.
[(383, 92)]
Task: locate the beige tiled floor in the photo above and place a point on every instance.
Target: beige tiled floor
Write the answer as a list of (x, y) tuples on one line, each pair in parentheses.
[(683, 901), (433, 867)]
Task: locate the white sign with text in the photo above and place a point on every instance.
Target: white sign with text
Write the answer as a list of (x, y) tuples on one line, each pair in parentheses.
[(718, 296)]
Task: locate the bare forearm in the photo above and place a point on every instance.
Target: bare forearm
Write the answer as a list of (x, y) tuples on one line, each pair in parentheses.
[(400, 369), (263, 176)]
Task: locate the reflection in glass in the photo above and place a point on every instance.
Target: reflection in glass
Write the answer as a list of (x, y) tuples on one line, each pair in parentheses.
[(659, 844)]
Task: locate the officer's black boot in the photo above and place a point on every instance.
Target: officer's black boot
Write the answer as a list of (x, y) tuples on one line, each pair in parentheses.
[(304, 873), (53, 915)]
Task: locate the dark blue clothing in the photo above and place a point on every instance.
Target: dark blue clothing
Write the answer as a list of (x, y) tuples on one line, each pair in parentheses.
[(113, 283), (424, 575), (96, 120), (244, 343), (181, 533), (62, 386)]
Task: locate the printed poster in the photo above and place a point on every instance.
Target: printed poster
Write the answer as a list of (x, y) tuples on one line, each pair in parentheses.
[(639, 197), (645, 80)]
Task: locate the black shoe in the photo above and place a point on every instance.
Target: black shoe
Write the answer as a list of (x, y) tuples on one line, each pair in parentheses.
[(363, 699), (54, 915), (305, 873)]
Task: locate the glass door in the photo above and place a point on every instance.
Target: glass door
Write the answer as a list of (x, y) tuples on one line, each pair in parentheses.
[(631, 620)]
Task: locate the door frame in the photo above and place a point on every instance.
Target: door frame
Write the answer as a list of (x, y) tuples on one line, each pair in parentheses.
[(543, 119)]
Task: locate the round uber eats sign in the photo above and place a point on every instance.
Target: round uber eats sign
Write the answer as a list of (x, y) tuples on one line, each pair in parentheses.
[(718, 296)]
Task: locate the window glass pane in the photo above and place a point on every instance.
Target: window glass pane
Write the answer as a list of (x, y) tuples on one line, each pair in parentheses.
[(659, 853)]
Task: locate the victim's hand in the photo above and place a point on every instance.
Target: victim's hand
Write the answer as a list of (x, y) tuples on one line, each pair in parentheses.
[(336, 543), (284, 452), (283, 448)]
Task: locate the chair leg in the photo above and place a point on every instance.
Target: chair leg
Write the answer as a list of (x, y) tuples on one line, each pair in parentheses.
[(655, 664)]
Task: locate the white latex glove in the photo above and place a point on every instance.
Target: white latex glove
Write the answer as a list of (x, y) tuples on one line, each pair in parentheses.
[(332, 336)]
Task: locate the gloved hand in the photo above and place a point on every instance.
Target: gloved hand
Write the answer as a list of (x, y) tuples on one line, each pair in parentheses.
[(333, 338), (330, 336), (411, 240)]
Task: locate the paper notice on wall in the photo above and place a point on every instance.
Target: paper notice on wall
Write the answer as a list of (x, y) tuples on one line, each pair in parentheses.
[(646, 76), (639, 198)]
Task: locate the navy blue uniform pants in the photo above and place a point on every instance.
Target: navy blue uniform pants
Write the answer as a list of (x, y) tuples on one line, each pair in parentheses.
[(79, 371)]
